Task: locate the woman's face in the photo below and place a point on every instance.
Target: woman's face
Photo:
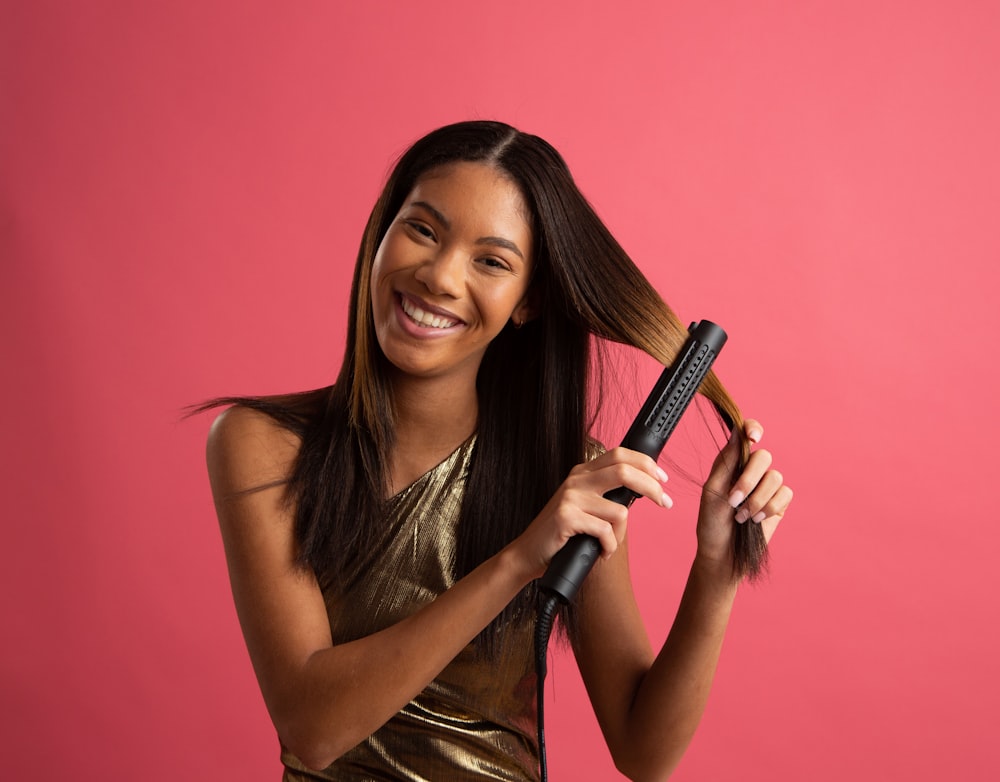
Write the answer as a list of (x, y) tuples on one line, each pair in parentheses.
[(452, 269)]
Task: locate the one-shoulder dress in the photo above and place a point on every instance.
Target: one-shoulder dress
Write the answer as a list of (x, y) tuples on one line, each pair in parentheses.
[(477, 720)]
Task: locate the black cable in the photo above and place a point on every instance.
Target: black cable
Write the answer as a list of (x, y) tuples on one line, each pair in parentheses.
[(543, 629)]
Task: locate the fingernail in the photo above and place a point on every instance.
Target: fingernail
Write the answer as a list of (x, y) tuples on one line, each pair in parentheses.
[(661, 474), (742, 515), (754, 435), (736, 498), (667, 502), (758, 517)]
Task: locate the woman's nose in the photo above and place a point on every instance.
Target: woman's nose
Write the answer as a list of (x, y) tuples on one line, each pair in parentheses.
[(443, 274)]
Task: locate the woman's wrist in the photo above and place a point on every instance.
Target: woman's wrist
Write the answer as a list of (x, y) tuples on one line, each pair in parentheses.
[(715, 567), (513, 566)]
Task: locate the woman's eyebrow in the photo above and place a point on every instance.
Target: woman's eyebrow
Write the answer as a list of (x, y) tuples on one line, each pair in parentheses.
[(499, 241), (437, 215)]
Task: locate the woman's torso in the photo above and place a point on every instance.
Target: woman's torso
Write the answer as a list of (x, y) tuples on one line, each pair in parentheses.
[(477, 719)]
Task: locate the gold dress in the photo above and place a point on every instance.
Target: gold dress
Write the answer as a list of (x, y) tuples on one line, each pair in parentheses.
[(477, 720)]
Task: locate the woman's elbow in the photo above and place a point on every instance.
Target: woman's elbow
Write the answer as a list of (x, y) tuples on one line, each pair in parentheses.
[(314, 755), (315, 750), (646, 768)]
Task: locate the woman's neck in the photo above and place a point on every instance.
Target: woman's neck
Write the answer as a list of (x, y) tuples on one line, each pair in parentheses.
[(433, 417)]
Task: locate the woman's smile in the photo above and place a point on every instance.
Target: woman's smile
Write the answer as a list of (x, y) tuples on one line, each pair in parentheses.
[(426, 317)]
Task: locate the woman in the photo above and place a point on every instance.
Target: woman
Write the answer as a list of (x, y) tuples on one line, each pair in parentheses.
[(383, 534)]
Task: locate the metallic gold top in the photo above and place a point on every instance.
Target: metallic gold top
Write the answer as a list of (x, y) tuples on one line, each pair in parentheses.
[(477, 720)]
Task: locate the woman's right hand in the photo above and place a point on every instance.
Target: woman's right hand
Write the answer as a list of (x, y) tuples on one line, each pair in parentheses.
[(578, 507)]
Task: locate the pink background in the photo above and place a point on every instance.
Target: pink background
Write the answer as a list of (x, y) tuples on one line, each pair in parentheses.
[(182, 192)]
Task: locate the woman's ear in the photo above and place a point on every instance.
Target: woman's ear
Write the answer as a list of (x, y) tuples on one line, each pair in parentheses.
[(527, 309)]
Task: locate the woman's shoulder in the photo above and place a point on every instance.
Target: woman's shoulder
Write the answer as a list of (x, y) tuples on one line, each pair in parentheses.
[(247, 449)]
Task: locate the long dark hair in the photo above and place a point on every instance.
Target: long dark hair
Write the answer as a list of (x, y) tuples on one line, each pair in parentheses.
[(534, 382)]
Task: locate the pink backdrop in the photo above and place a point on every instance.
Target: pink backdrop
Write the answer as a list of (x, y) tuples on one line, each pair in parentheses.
[(182, 193)]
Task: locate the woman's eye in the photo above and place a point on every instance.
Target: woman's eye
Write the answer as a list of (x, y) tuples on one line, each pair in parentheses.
[(495, 263), (421, 229)]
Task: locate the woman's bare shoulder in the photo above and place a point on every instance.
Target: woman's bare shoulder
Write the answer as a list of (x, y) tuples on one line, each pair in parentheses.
[(248, 449)]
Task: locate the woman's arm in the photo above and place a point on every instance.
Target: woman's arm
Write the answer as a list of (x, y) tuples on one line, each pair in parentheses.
[(322, 698), (649, 705)]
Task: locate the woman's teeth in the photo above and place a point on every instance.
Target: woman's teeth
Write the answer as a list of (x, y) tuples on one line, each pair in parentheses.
[(425, 319)]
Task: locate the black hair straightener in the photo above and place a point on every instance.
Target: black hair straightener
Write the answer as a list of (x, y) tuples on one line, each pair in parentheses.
[(655, 422)]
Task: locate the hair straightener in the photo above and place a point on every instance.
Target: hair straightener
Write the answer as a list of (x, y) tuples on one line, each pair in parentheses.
[(655, 422)]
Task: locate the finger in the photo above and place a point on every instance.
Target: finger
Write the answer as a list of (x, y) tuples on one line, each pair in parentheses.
[(624, 455), (631, 469), (753, 430), (757, 465), (775, 511), (609, 531), (754, 507), (582, 512), (618, 524), (604, 520)]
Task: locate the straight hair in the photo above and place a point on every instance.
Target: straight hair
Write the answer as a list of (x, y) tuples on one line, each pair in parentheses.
[(536, 391)]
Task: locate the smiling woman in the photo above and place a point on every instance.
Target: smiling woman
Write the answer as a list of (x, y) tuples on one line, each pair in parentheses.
[(384, 534)]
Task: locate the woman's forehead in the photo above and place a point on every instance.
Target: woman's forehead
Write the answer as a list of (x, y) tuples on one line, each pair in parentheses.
[(473, 193)]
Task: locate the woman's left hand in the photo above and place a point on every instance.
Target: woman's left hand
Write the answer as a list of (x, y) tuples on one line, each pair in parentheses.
[(755, 495)]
